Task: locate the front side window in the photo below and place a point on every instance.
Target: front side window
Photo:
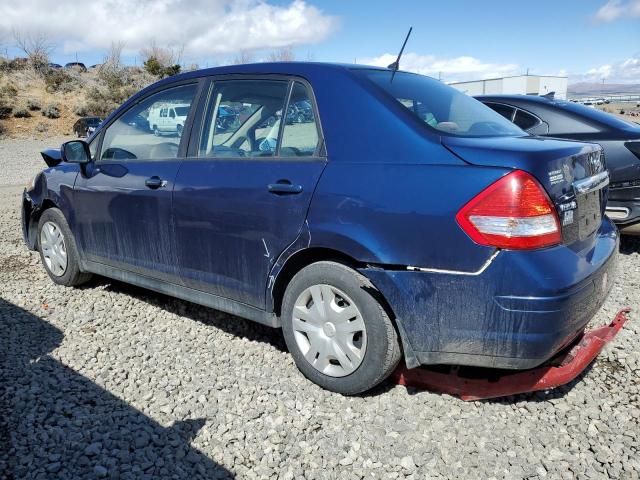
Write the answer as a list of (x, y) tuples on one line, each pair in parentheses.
[(143, 132), (440, 106), (243, 118)]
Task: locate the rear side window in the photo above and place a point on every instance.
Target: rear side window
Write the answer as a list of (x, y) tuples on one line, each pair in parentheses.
[(300, 136), (243, 118), (525, 120), (441, 107), (259, 118), (505, 110)]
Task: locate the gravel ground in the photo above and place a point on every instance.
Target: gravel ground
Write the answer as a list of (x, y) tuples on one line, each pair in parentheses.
[(111, 381)]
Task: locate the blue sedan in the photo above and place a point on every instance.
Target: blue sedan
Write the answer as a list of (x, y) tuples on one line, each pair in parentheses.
[(404, 219)]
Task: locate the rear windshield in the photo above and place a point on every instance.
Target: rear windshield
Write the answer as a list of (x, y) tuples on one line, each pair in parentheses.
[(597, 115), (442, 107)]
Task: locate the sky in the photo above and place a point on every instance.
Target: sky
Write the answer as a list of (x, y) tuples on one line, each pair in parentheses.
[(587, 40)]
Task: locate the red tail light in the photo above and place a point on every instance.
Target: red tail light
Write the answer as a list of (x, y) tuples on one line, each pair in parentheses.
[(515, 212)]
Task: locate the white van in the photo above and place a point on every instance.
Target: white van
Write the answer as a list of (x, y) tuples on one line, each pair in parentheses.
[(168, 118)]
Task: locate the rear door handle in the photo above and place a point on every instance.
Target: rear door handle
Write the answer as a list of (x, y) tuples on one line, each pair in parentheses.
[(284, 188), (155, 182)]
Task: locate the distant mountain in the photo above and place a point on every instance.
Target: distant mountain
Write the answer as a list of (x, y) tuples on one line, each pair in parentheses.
[(594, 88)]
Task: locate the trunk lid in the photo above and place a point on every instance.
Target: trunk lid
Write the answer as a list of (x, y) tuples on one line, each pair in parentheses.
[(573, 174)]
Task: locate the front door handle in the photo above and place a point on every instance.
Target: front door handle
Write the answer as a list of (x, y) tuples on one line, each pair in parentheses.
[(155, 182), (281, 188)]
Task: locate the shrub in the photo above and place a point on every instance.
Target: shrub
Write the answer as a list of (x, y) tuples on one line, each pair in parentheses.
[(42, 127), (82, 110), (8, 90), (153, 66), (51, 111), (5, 108), (58, 81), (34, 105), (21, 113), (19, 63)]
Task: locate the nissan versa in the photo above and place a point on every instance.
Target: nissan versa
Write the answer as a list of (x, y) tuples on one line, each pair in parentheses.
[(404, 219)]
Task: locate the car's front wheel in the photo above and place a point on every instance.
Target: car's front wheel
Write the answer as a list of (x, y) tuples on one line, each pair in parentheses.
[(339, 335), (58, 250)]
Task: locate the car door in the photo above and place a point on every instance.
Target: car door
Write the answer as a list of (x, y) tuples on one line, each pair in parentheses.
[(123, 199), (242, 195)]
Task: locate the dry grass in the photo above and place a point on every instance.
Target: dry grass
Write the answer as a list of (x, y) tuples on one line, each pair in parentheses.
[(631, 111), (73, 93)]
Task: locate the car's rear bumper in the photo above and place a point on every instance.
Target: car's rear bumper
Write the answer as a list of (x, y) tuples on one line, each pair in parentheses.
[(623, 207), (516, 312)]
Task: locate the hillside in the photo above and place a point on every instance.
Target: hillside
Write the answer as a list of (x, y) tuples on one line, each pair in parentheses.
[(590, 89), (39, 102)]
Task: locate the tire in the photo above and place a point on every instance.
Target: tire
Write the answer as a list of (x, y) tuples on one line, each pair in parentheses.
[(179, 130), (51, 227), (156, 132), (366, 357)]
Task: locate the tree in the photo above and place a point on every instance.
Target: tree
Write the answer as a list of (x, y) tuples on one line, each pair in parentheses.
[(161, 61), (243, 57), (37, 49), (157, 69), (284, 54)]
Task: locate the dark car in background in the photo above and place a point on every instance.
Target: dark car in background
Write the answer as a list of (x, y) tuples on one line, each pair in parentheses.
[(85, 126), (619, 138), (138, 122), (79, 66), (404, 219)]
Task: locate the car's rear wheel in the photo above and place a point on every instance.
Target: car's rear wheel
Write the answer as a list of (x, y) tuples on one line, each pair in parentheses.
[(58, 250), (339, 335), (179, 130)]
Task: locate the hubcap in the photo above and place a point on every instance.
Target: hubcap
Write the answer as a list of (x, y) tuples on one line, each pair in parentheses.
[(54, 250), (329, 330)]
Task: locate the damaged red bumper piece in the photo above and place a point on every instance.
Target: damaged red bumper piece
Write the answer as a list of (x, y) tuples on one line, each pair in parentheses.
[(477, 384)]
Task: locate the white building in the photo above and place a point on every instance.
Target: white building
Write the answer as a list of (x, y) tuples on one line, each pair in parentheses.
[(520, 84)]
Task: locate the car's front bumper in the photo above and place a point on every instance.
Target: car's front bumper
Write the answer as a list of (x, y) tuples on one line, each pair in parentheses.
[(517, 312), (27, 220)]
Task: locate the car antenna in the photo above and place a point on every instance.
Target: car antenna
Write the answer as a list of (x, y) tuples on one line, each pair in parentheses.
[(395, 66)]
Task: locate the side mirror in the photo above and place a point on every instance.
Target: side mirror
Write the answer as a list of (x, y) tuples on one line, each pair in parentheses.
[(76, 151)]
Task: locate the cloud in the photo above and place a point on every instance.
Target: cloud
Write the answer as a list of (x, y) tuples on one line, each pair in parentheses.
[(203, 27), (626, 71), (614, 9), (449, 69)]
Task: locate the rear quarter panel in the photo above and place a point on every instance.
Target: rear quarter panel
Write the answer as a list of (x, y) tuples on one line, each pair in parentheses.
[(399, 214)]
